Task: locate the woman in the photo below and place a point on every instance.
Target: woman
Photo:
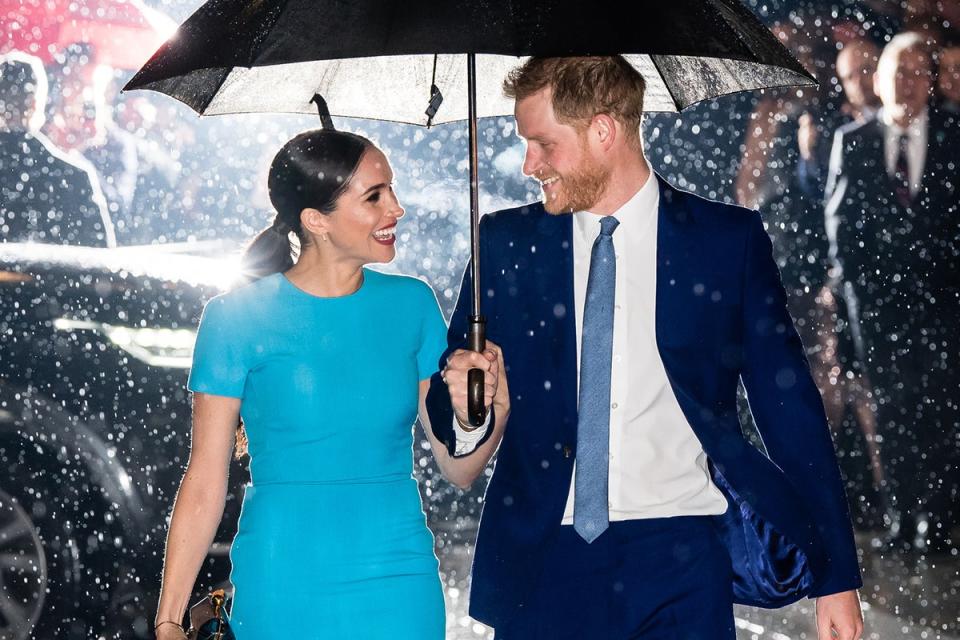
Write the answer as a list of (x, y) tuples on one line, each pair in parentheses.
[(321, 359)]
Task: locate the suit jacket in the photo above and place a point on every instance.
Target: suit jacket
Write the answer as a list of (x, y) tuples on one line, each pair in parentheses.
[(58, 202), (901, 263), (787, 528)]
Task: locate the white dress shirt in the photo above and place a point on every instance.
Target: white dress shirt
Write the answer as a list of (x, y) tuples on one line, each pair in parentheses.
[(657, 465), (916, 133)]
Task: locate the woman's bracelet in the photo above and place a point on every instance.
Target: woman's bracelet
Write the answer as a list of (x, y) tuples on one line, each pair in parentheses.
[(176, 624)]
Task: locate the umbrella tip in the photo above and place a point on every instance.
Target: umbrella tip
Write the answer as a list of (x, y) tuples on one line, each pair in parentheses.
[(325, 120)]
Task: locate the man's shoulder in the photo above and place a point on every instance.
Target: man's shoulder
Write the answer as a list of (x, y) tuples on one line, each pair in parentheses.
[(702, 210), (524, 214), (856, 132)]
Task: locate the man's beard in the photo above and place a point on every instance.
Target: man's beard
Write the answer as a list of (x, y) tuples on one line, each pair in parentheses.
[(578, 190)]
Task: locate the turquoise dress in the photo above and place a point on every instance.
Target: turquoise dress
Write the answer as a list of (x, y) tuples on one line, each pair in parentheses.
[(332, 540)]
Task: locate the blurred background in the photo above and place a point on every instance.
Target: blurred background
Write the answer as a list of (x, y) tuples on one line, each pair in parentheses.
[(123, 212)]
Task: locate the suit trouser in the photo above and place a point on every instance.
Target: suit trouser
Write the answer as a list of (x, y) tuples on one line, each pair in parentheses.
[(663, 578)]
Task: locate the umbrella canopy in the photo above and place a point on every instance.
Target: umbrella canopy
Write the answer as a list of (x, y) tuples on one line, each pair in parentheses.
[(379, 60), (434, 61), (122, 33)]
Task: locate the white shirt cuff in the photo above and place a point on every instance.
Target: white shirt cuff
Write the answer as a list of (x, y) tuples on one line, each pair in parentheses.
[(467, 440)]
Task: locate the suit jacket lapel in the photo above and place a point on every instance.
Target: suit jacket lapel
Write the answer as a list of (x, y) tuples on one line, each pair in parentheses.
[(675, 260)]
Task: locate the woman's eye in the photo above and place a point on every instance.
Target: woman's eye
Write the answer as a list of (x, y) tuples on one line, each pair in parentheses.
[(374, 198)]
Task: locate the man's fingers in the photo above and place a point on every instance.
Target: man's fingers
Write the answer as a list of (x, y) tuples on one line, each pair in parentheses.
[(850, 631), (824, 630), (847, 632), (824, 624)]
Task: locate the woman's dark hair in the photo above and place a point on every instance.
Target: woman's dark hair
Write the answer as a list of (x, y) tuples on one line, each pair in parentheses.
[(309, 171)]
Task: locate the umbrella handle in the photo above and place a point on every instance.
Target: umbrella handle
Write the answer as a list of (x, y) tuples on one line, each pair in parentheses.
[(476, 341)]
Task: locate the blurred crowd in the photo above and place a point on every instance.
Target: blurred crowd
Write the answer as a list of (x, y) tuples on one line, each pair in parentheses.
[(856, 179), (82, 163)]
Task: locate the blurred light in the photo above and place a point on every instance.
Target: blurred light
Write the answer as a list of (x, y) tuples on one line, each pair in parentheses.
[(158, 347)]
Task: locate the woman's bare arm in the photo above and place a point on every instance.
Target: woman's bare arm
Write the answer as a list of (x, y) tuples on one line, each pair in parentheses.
[(464, 470), (199, 505)]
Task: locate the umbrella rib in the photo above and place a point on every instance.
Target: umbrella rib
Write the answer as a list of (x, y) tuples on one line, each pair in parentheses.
[(747, 15), (213, 94), (666, 84)]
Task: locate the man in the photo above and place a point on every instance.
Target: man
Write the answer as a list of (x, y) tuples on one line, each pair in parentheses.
[(43, 196), (79, 123), (892, 219), (948, 80), (856, 65), (643, 512)]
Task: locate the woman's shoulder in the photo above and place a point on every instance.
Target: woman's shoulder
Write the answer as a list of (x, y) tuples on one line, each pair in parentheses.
[(401, 285), (246, 297)]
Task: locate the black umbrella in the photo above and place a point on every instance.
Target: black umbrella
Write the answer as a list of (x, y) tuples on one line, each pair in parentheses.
[(416, 62)]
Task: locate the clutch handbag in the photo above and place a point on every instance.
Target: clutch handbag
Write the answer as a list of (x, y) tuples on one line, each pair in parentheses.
[(208, 620)]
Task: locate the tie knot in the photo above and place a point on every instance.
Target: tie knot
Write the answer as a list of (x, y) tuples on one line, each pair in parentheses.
[(607, 225)]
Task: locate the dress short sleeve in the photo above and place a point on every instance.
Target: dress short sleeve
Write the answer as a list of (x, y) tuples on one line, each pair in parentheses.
[(219, 367), (433, 335)]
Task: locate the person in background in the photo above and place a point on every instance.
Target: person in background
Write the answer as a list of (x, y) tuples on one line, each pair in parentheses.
[(137, 178), (782, 173), (44, 196), (948, 81), (856, 64), (892, 221)]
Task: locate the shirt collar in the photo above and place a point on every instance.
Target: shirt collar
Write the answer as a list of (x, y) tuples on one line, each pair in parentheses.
[(635, 215), (915, 128)]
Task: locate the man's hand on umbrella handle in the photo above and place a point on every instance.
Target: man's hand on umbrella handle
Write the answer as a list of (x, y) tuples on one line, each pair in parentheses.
[(455, 376)]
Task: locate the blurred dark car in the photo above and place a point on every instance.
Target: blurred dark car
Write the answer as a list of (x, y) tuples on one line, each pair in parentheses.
[(95, 348)]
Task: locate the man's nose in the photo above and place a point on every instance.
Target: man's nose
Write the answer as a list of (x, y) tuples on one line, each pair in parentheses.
[(531, 163)]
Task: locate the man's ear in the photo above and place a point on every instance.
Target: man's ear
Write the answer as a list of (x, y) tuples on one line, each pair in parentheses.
[(604, 130)]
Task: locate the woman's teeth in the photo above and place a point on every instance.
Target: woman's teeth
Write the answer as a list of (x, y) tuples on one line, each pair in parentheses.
[(385, 234)]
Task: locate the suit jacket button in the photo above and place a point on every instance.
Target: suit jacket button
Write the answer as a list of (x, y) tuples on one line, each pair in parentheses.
[(567, 451)]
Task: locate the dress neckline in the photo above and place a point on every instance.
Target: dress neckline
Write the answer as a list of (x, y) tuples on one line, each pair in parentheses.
[(300, 292)]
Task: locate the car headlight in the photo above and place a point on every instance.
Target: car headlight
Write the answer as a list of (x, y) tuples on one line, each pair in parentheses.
[(158, 347)]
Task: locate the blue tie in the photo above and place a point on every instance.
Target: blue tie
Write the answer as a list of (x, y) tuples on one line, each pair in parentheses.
[(590, 515)]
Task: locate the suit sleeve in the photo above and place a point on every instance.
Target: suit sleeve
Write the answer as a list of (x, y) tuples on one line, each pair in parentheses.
[(788, 410), (438, 399), (835, 194)]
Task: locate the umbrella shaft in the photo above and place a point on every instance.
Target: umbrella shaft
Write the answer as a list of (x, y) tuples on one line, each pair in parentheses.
[(474, 180)]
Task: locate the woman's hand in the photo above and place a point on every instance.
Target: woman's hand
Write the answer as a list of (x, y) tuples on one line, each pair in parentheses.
[(463, 469), (456, 375)]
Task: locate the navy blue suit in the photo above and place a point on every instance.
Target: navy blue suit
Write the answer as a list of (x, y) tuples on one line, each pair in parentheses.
[(720, 317)]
